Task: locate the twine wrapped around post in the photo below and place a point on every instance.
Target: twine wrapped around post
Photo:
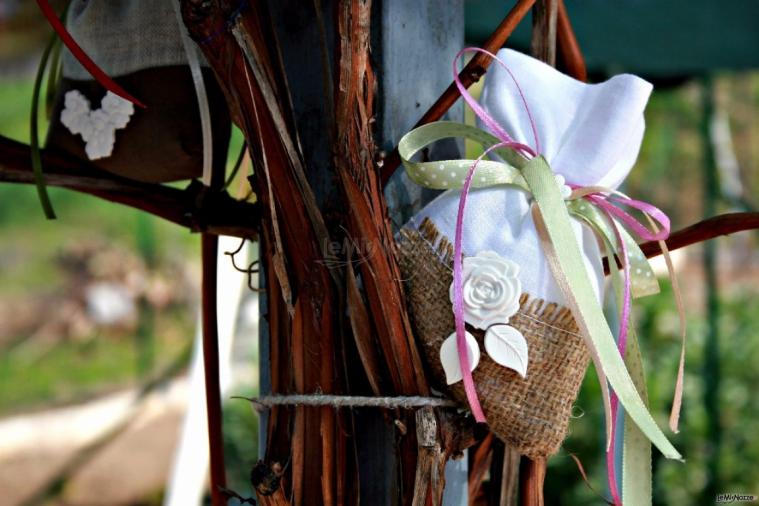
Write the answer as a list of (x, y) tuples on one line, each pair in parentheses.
[(351, 401)]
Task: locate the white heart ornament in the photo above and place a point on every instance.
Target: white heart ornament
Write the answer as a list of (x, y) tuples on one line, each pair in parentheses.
[(449, 357), (98, 127), (507, 347)]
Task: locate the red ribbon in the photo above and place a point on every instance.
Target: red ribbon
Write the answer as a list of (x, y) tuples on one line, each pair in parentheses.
[(91, 67)]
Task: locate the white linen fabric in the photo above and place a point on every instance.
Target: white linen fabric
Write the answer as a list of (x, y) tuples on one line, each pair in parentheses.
[(124, 36), (589, 133)]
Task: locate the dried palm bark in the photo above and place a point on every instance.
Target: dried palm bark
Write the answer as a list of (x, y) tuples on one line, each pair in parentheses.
[(300, 288), (306, 292), (367, 223)]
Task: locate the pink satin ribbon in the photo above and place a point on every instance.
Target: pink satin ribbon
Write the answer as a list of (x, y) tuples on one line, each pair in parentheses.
[(458, 282), (608, 205), (611, 211), (458, 288)]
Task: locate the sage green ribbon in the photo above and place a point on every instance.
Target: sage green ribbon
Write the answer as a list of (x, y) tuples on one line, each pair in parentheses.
[(450, 174), (636, 452), (575, 284), (447, 174)]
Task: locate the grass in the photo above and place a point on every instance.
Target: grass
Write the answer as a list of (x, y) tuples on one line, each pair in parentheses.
[(25, 231), (240, 426), (16, 97), (75, 370), (71, 370)]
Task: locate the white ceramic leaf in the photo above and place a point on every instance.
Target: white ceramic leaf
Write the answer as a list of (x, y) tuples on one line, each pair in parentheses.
[(507, 347), (449, 357)]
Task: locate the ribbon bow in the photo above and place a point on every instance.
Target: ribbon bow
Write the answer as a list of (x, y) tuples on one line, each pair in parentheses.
[(598, 207)]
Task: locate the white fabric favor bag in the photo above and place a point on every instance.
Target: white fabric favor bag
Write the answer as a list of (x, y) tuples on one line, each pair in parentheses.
[(589, 133), (534, 357)]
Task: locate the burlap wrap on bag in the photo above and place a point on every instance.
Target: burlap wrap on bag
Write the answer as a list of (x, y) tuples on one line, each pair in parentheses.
[(531, 414)]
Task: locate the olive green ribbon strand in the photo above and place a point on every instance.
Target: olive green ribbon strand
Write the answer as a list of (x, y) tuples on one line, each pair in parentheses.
[(555, 230), (637, 475), (446, 174), (642, 277), (450, 174), (34, 142)]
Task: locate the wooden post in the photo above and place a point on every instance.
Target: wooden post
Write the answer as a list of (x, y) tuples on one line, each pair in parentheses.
[(414, 43), (544, 16), (532, 476), (210, 246), (412, 47)]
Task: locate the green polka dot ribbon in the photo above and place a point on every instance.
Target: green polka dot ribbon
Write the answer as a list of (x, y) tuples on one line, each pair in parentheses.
[(450, 174)]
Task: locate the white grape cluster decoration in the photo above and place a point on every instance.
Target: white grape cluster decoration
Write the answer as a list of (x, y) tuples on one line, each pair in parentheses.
[(98, 127), (491, 296)]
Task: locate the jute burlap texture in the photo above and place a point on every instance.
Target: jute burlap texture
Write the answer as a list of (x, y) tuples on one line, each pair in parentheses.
[(531, 414)]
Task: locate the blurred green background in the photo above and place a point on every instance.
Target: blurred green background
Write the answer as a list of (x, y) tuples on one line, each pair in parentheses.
[(699, 158), (57, 351)]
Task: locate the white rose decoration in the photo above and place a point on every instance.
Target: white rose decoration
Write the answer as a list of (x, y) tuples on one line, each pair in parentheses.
[(491, 296), (491, 289)]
